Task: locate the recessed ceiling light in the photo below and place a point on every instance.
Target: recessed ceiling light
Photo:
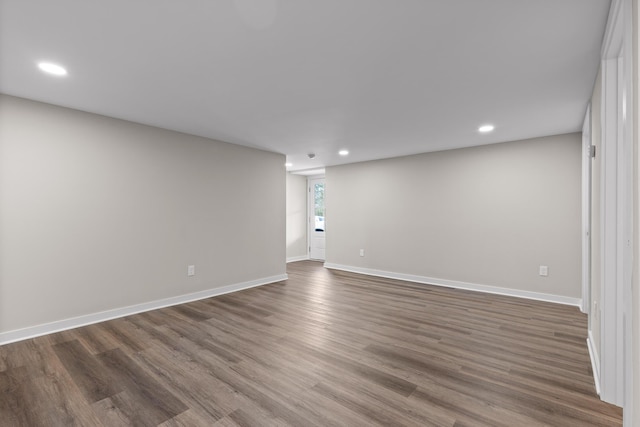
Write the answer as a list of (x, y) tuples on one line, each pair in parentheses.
[(51, 68), (343, 152), (486, 128), (288, 165)]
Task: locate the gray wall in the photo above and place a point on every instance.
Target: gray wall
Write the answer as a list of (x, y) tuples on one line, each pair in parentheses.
[(98, 214), (487, 215), (296, 217)]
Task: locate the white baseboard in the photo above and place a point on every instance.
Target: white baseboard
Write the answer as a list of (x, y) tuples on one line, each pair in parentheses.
[(297, 258), (75, 322), (595, 361), (559, 299)]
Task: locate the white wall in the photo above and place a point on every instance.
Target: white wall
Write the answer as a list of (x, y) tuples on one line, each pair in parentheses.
[(98, 214), (487, 215), (296, 217)]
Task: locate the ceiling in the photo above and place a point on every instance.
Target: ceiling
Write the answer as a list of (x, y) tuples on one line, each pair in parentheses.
[(377, 77)]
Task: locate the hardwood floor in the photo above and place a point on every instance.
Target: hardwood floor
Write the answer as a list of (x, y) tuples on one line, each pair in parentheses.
[(322, 348)]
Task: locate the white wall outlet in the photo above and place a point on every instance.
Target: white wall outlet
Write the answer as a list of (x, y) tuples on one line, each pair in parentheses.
[(191, 270), (361, 252), (544, 270)]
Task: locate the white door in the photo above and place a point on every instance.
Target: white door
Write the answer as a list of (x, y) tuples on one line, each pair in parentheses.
[(587, 158), (316, 218)]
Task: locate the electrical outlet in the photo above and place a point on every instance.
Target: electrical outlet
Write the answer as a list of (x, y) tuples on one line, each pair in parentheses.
[(191, 270), (361, 252), (544, 270)]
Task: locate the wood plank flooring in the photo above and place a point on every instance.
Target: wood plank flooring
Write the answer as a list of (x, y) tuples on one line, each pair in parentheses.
[(323, 348)]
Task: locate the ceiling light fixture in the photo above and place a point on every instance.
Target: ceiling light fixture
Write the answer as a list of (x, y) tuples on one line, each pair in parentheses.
[(343, 152), (288, 165), (51, 68), (486, 128)]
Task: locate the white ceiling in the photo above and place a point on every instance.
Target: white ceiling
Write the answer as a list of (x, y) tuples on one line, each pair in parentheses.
[(381, 78)]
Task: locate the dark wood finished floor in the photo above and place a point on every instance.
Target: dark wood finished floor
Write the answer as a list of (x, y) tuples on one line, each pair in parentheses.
[(322, 348)]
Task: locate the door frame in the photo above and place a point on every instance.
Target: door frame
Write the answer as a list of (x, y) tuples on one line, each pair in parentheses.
[(616, 370)]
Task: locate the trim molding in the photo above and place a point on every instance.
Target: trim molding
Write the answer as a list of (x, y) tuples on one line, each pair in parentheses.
[(88, 319), (595, 361), (559, 299), (614, 31), (297, 258)]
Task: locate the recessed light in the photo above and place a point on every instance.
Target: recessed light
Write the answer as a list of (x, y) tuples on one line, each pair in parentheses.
[(288, 165), (51, 68), (486, 128), (343, 152)]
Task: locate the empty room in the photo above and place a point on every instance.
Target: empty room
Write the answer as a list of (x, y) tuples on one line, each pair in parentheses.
[(319, 213)]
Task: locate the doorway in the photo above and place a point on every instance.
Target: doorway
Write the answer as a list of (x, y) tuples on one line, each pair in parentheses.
[(316, 210)]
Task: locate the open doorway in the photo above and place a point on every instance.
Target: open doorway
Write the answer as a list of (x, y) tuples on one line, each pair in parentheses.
[(316, 213)]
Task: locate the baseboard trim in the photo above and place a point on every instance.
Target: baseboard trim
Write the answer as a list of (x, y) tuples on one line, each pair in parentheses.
[(75, 322), (558, 299), (297, 258), (595, 361)]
